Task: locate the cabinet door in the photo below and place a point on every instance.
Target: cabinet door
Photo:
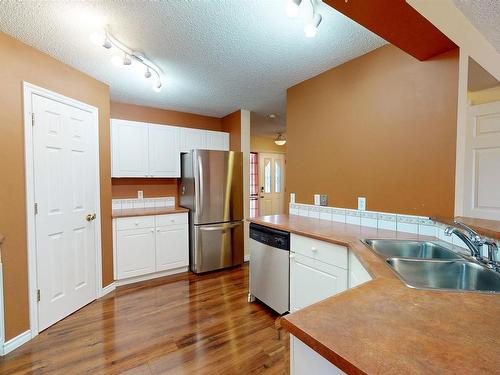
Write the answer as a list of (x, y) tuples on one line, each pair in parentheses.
[(129, 140), (171, 247), (164, 154), (217, 140), (135, 252), (312, 281), (192, 139)]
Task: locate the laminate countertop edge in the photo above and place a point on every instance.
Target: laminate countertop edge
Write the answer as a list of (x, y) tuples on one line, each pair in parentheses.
[(384, 327), (131, 212)]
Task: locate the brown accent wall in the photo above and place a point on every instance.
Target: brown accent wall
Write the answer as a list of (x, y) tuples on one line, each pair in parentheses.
[(134, 112), (232, 124), (265, 144), (382, 126), (152, 187), (20, 63)]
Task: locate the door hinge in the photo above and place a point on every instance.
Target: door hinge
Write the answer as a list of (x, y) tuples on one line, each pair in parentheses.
[(38, 295), (32, 118), (36, 208)]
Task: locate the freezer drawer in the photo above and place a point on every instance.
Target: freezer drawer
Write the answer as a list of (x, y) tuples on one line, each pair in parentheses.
[(216, 246)]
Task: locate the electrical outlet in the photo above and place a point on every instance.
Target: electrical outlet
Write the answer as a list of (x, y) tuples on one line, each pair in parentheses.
[(361, 203), (140, 194), (317, 199)]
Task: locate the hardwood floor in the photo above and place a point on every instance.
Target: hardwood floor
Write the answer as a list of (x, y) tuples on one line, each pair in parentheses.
[(183, 324)]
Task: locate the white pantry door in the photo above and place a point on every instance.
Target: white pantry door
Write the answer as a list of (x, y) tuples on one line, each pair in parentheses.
[(64, 141), (482, 162), (272, 183)]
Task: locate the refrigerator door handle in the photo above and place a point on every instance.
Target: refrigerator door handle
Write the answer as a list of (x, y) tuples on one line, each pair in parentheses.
[(200, 192), (207, 228)]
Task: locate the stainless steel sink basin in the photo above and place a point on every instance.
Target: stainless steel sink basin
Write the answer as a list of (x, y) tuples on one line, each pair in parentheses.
[(450, 275), (411, 249)]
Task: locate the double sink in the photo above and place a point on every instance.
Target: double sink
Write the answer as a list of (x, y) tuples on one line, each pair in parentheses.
[(428, 265)]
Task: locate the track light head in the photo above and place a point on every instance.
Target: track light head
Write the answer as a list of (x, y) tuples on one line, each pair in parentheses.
[(147, 73), (292, 8), (157, 86), (311, 29), (100, 39), (127, 60)]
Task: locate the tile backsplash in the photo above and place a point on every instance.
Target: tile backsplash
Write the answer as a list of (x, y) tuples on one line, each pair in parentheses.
[(123, 204), (421, 225)]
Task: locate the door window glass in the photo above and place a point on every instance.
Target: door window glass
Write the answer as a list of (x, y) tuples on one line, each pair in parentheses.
[(267, 175), (277, 176)]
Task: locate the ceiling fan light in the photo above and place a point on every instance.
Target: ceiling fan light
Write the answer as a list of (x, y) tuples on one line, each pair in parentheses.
[(292, 8), (280, 140)]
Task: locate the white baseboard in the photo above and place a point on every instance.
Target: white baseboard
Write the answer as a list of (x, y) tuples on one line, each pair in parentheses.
[(16, 342), (150, 276), (246, 258), (107, 289)]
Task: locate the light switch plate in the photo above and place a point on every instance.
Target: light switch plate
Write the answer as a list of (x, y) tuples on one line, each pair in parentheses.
[(361, 203), (292, 197), (140, 194), (323, 200)]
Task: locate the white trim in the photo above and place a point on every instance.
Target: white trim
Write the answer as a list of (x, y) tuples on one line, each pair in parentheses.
[(16, 342), (29, 90), (150, 276), (463, 68), (107, 289)]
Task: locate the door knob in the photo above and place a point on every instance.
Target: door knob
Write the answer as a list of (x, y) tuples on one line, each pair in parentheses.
[(90, 217)]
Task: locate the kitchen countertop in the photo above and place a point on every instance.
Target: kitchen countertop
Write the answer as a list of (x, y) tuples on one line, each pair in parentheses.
[(147, 211), (488, 228), (384, 327)]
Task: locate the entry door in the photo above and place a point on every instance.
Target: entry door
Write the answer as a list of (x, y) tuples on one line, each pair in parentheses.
[(272, 183), (65, 165), (482, 162)]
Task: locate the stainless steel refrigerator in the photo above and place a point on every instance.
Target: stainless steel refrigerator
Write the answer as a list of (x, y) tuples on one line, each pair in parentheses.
[(212, 189)]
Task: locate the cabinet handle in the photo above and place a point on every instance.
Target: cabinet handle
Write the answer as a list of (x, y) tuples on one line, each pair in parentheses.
[(152, 230), (136, 223), (313, 249), (292, 255)]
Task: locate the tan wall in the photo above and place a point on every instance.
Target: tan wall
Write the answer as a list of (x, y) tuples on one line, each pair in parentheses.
[(20, 63), (382, 126), (134, 112), (484, 96), (156, 187), (265, 144), (232, 124)]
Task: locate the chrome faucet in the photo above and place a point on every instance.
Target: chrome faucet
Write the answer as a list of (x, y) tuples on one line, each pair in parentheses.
[(475, 243), (473, 240)]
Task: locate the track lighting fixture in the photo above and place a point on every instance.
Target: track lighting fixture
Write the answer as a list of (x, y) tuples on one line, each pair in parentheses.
[(292, 8), (127, 55), (311, 29)]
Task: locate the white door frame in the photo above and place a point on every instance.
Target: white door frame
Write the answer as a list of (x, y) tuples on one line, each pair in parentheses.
[(30, 90)]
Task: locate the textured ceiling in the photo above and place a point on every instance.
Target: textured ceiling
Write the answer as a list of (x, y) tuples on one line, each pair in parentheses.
[(485, 16), (217, 56)]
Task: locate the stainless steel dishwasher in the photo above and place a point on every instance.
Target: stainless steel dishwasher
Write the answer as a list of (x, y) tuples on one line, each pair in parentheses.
[(270, 267)]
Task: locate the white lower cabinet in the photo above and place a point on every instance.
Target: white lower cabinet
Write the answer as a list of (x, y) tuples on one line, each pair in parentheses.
[(318, 270), (148, 246), (171, 245), (305, 361), (312, 281)]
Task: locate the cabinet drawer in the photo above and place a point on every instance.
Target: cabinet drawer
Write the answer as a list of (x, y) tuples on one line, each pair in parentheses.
[(320, 250), (171, 219), (135, 222)]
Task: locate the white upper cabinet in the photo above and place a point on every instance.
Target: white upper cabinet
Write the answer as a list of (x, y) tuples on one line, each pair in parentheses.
[(129, 148), (217, 140), (164, 154), (140, 149), (193, 139)]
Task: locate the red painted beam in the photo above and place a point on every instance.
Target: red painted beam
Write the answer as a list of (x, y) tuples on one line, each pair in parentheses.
[(398, 23)]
